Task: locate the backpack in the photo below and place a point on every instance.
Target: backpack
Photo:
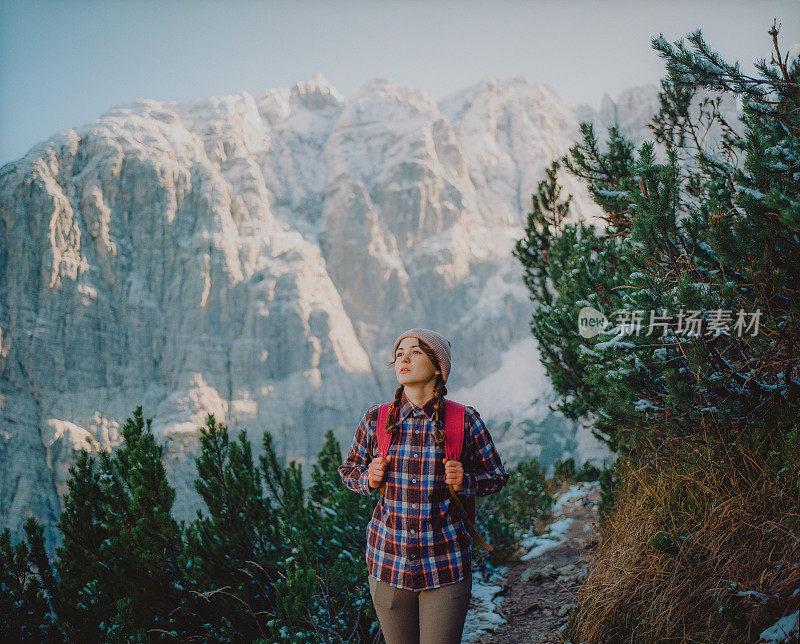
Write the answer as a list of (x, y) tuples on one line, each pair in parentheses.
[(453, 442)]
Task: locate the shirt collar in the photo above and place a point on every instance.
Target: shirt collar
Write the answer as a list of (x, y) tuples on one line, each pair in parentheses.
[(407, 407)]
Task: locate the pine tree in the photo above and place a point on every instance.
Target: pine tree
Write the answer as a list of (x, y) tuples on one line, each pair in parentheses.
[(232, 552), (52, 627), (144, 543), (28, 593), (343, 592), (608, 174), (323, 595), (296, 611), (78, 564), (708, 414), (286, 565), (710, 236), (568, 266), (272, 561), (545, 221), (117, 574)]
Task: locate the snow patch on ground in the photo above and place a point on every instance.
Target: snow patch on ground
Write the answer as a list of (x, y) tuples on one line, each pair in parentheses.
[(484, 615), (575, 492), (538, 545), (785, 628), (555, 535)]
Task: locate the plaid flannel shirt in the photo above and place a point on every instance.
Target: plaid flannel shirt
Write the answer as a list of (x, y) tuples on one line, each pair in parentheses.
[(416, 539)]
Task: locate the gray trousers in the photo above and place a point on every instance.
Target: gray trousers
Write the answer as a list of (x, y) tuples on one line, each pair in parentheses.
[(433, 616)]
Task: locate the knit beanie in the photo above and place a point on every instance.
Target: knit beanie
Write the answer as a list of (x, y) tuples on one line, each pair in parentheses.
[(436, 341)]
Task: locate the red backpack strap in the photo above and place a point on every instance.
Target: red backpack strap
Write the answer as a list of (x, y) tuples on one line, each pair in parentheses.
[(453, 429), (383, 437), (454, 424)]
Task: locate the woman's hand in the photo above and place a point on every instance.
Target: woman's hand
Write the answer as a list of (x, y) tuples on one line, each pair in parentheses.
[(454, 474), (377, 469)]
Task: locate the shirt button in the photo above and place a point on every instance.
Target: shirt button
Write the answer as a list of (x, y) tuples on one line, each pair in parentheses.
[(416, 455), (414, 505), (413, 531), (410, 556), (413, 480), (416, 432)]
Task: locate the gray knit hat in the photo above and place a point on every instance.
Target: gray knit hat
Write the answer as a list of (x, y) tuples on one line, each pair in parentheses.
[(436, 341)]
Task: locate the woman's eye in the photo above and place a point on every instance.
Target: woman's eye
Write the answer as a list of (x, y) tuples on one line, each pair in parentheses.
[(400, 355)]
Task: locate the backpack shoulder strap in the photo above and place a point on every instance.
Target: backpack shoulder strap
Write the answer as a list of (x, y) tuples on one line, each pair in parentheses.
[(453, 429), (383, 437), (454, 425)]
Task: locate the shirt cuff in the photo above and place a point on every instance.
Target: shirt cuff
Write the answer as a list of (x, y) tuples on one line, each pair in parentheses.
[(470, 485), (364, 480)]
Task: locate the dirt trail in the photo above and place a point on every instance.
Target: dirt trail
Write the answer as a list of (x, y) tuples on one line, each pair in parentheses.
[(538, 593)]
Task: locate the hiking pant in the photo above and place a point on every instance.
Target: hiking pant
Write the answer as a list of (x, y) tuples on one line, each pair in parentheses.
[(433, 616)]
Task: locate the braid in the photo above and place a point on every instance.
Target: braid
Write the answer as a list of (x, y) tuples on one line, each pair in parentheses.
[(439, 392), (394, 411)]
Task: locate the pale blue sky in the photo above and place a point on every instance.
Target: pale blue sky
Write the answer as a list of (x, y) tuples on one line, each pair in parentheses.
[(62, 64)]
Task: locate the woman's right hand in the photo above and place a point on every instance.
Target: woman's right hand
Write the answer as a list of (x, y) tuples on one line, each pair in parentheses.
[(377, 469)]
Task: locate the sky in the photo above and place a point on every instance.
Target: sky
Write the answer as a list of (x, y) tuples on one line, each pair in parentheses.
[(64, 63)]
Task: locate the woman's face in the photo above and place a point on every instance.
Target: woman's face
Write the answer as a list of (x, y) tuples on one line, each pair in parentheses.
[(412, 366)]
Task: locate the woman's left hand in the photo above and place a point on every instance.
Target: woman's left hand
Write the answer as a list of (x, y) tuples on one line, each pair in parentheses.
[(454, 474)]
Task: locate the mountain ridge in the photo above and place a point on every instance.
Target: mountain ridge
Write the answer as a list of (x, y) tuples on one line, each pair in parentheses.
[(254, 256)]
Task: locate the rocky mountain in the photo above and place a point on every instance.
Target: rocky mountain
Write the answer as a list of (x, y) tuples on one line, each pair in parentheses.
[(256, 257), (635, 107), (631, 112)]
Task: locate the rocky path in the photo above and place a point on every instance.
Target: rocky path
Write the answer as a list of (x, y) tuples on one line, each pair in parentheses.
[(538, 592)]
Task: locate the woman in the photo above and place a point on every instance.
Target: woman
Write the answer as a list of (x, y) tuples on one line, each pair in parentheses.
[(418, 548)]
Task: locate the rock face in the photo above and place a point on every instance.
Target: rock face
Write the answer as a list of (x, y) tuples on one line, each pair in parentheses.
[(635, 107), (256, 257), (631, 112)]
